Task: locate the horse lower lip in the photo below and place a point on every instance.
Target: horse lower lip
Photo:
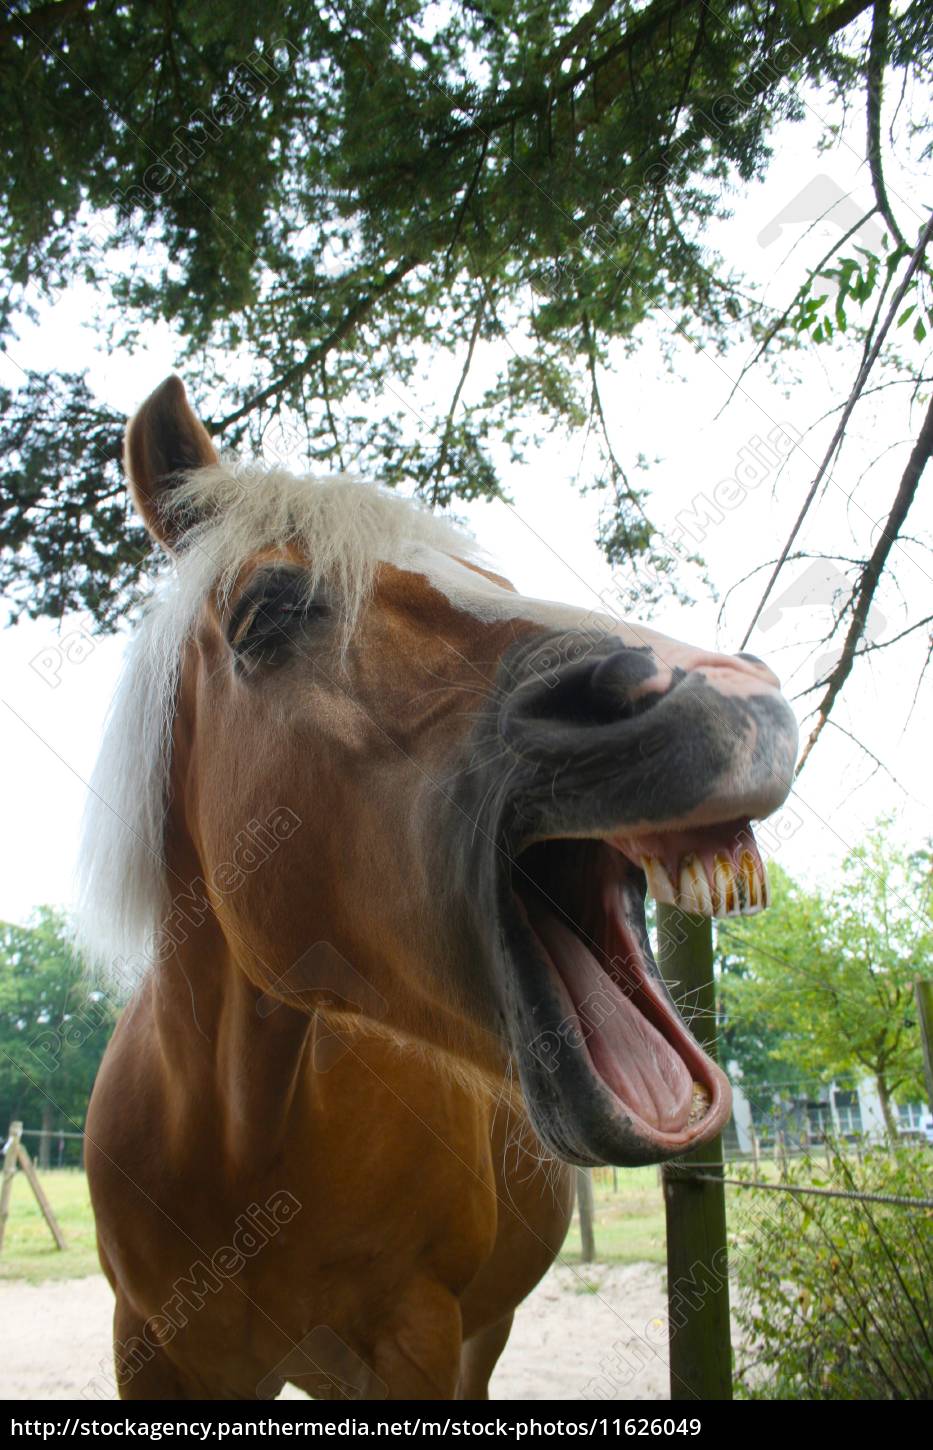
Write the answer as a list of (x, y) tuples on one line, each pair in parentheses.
[(624, 1080)]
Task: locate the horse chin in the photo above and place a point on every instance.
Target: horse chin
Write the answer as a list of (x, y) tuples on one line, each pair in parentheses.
[(609, 1070)]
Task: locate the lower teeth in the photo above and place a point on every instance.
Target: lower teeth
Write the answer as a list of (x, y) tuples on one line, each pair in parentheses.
[(699, 1105)]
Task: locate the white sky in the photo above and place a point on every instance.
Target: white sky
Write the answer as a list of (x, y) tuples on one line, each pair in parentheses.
[(545, 542)]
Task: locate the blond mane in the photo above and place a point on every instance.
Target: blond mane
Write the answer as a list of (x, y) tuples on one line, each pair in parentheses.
[(346, 527)]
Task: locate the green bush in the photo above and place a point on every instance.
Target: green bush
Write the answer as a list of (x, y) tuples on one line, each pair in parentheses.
[(835, 1296)]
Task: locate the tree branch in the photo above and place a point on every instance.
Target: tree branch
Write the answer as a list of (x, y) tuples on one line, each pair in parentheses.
[(782, 317), (867, 585), (43, 20), (877, 59), (448, 427), (860, 381), (360, 310), (879, 764), (606, 72), (578, 34), (526, 101)]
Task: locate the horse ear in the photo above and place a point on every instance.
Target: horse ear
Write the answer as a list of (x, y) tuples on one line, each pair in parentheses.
[(163, 440)]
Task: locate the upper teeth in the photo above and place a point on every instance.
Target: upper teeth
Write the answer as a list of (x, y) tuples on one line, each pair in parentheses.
[(694, 890), (721, 887)]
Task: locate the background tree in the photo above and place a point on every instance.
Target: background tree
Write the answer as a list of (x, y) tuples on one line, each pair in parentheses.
[(827, 977), (751, 1040), (321, 199), (53, 1029)]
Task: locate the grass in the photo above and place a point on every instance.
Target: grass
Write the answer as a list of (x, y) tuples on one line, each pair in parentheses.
[(629, 1219), (29, 1250), (629, 1224)]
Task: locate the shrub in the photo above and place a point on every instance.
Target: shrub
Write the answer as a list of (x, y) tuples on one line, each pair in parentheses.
[(835, 1296)]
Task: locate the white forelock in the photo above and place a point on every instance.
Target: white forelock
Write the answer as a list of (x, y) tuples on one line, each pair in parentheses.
[(345, 527)]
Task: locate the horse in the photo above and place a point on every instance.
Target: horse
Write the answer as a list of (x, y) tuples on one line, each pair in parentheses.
[(367, 849)]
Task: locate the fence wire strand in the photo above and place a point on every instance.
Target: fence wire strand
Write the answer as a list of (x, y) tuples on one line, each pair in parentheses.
[(898, 1200)]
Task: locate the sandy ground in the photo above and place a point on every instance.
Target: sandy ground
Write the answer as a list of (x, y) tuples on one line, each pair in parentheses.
[(585, 1333)]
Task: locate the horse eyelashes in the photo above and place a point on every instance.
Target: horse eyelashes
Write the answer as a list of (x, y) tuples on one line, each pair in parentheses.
[(264, 621)]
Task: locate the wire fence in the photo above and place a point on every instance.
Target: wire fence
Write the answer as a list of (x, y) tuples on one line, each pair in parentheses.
[(782, 1153), (56, 1140), (898, 1200), (56, 1147)]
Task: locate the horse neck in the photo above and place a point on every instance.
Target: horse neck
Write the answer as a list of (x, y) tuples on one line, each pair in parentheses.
[(224, 1054)]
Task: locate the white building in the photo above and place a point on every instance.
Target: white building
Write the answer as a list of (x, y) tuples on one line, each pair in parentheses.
[(811, 1112)]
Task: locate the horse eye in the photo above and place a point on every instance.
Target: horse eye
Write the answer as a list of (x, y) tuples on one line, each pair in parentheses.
[(269, 612)]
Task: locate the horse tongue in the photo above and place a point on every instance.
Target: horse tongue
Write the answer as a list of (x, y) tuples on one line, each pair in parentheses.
[(628, 1052)]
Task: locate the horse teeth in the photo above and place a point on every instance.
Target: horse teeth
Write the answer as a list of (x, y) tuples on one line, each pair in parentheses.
[(758, 887), (750, 876), (699, 1103), (660, 885), (719, 888), (725, 902), (694, 889)]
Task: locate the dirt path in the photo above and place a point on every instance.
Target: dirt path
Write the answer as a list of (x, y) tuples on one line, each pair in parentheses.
[(572, 1338)]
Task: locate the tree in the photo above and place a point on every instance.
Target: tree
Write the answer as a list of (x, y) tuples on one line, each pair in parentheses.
[(53, 1029), (828, 976), (751, 1040), (322, 199)]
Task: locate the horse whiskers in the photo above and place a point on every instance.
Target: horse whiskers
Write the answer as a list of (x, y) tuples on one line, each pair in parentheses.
[(493, 787), (488, 689), (475, 764)]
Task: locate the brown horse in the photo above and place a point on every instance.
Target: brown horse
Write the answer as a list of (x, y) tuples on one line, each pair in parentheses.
[(371, 831)]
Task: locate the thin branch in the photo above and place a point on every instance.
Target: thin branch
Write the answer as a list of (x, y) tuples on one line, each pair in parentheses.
[(781, 319), (331, 420), (877, 59), (915, 383), (879, 306), (896, 639), (356, 314), (922, 676), (866, 649), (448, 427), (866, 367), (462, 210), (596, 407), (867, 585), (879, 764)]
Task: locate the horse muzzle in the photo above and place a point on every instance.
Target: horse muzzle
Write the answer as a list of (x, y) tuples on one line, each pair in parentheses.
[(622, 768)]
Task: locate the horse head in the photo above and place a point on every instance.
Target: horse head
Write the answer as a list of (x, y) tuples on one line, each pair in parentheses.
[(401, 793)]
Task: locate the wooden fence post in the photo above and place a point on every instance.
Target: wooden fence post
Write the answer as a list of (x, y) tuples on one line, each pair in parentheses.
[(14, 1154), (697, 1268), (585, 1211), (9, 1168), (28, 1167)]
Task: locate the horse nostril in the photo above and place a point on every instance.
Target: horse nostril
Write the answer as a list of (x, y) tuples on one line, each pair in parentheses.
[(621, 685), (590, 689)]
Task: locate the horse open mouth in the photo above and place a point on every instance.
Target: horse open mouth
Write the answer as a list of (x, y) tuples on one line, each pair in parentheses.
[(613, 1073)]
